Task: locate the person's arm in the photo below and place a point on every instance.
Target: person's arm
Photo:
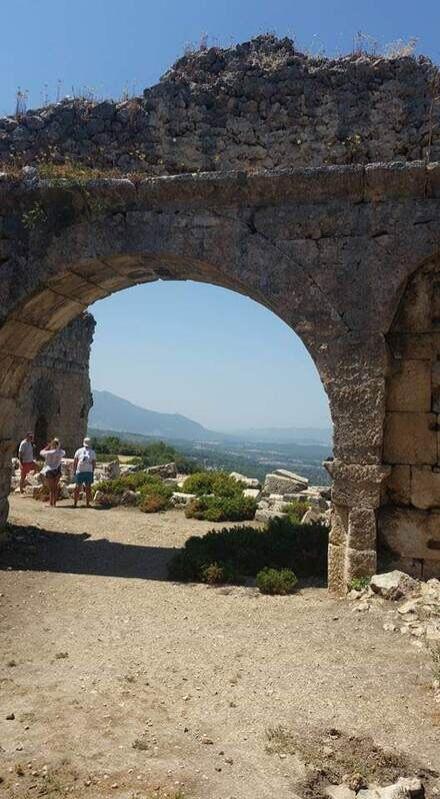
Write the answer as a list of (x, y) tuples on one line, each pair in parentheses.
[(20, 452)]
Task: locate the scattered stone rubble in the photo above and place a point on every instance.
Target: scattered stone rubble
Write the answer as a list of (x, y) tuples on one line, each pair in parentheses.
[(271, 504), (283, 487), (404, 788), (416, 612)]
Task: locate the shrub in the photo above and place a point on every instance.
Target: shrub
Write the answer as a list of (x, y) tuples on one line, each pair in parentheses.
[(296, 509), (154, 495), (246, 550), (139, 481), (276, 581), (213, 574), (152, 503), (212, 482), (221, 509), (359, 583)]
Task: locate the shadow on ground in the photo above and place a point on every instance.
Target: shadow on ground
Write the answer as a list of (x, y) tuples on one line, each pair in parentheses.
[(35, 549)]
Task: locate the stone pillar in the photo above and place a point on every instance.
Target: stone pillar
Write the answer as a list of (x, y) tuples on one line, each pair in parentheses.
[(353, 370), (356, 495)]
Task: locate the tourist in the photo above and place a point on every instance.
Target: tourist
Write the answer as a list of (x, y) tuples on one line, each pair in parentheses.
[(26, 458), (84, 464), (53, 455)]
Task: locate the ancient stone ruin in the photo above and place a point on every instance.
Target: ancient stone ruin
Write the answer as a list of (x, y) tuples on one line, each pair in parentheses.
[(55, 397), (279, 202)]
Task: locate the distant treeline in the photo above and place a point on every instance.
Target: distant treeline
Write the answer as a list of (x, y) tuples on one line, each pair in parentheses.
[(152, 454), (252, 460)]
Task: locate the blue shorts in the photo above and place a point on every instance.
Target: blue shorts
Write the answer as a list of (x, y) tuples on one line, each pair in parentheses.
[(84, 478)]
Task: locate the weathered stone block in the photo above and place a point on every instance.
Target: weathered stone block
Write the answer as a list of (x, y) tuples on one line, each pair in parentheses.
[(50, 310), (410, 438), (77, 288), (336, 569), (398, 485), (414, 315), (425, 487), (339, 525), (17, 338), (362, 529), (415, 346), (394, 180), (409, 386), (410, 533), (360, 563)]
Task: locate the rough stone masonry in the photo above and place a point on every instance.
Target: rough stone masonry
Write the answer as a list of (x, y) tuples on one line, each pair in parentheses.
[(345, 252), (55, 397)]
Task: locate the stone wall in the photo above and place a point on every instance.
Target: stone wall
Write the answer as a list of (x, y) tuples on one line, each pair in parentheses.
[(55, 397), (409, 521), (259, 105)]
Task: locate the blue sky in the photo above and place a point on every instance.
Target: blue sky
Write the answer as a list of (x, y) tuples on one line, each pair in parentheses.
[(199, 350)]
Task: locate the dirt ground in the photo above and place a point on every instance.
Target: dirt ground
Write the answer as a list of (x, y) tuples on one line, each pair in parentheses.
[(123, 684)]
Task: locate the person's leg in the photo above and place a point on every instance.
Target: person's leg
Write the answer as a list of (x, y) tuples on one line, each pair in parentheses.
[(88, 488), (76, 492), (56, 488), (49, 481), (22, 478)]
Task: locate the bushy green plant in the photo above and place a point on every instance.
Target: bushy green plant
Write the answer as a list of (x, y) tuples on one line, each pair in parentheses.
[(154, 495), (276, 581), (153, 503), (221, 509), (213, 574), (212, 482), (246, 550), (134, 482), (296, 509), (359, 583)]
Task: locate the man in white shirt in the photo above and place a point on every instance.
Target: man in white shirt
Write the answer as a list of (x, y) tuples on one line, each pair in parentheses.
[(26, 458), (84, 464)]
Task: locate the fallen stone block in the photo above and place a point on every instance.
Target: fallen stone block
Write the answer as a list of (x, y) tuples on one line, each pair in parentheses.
[(181, 498), (109, 471), (297, 478), (393, 585), (163, 470), (280, 484), (339, 792), (249, 482), (252, 493), (312, 516), (129, 497), (262, 515)]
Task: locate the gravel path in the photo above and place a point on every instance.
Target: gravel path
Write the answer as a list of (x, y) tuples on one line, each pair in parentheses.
[(124, 679)]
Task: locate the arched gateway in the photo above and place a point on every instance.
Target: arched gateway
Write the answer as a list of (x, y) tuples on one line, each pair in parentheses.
[(329, 250)]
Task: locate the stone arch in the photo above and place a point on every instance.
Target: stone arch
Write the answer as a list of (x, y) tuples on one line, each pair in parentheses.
[(327, 250), (91, 260), (409, 521)]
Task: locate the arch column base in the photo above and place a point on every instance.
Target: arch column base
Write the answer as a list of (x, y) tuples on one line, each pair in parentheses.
[(356, 496)]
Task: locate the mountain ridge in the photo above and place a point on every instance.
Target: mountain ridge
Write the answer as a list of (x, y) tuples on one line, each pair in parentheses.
[(111, 412)]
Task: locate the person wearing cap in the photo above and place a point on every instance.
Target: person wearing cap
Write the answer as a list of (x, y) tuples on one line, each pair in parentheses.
[(84, 464), (26, 458)]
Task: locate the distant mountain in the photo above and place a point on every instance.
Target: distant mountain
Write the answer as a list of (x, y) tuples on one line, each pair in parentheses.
[(285, 435), (110, 412)]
